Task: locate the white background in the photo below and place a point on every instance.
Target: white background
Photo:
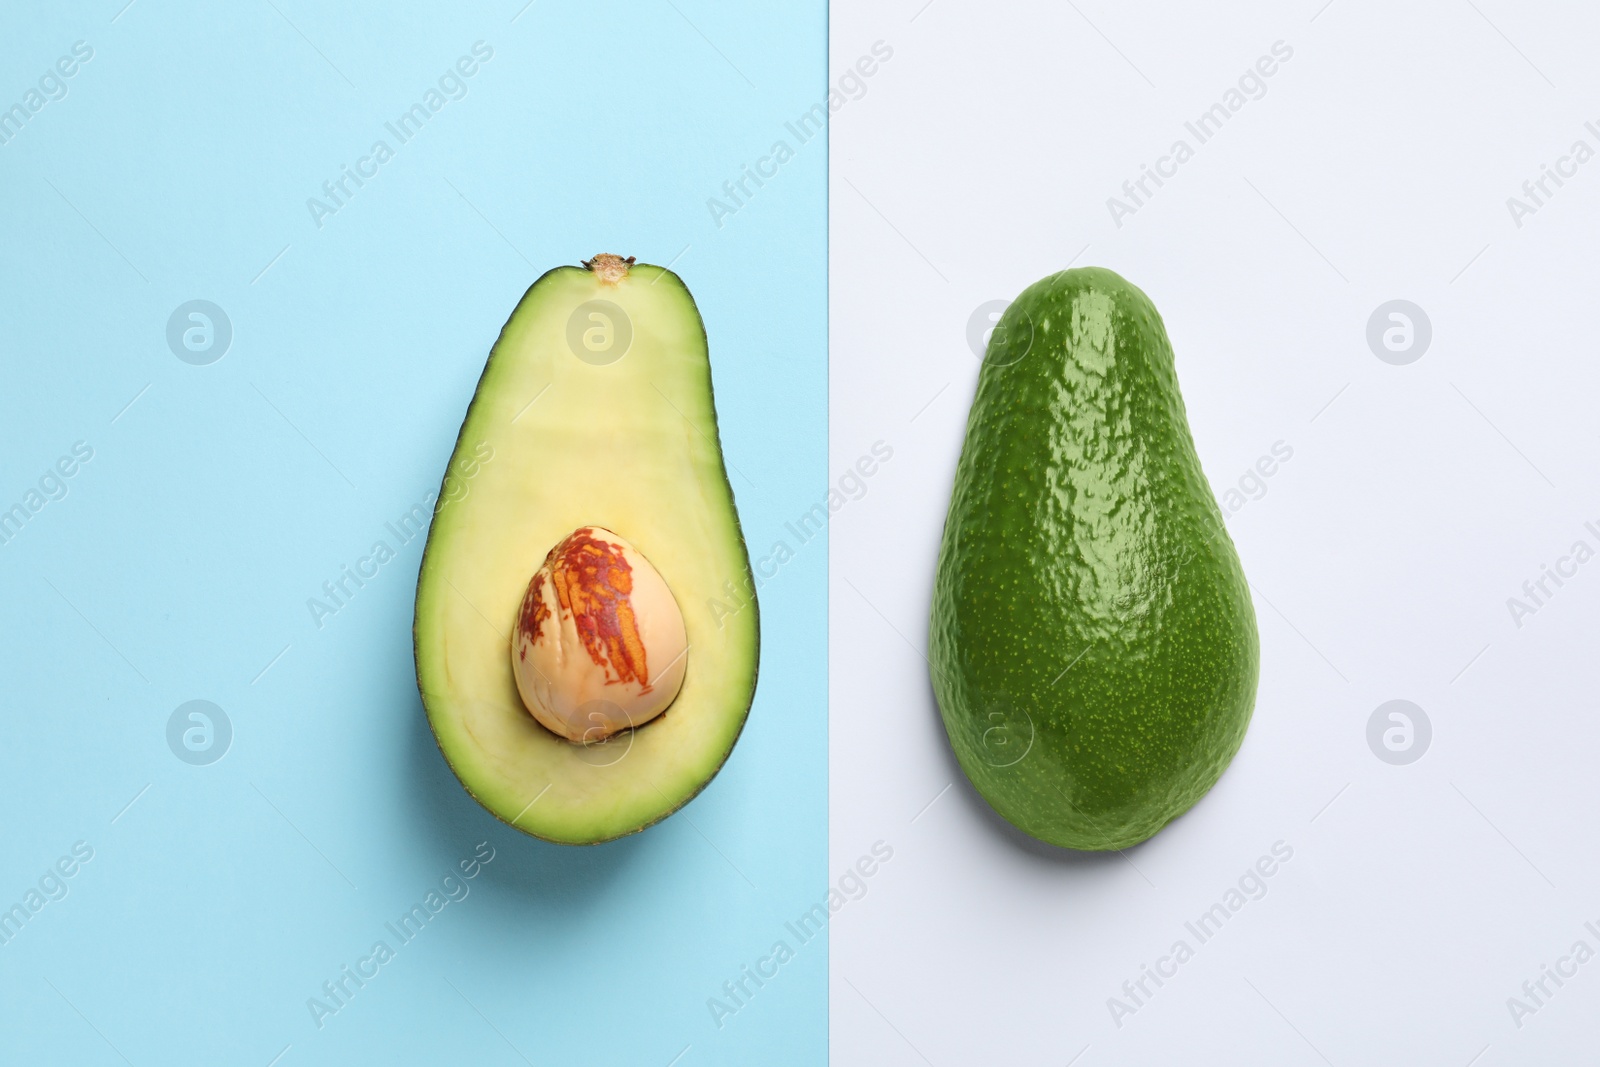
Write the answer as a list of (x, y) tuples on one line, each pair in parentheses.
[(1418, 499)]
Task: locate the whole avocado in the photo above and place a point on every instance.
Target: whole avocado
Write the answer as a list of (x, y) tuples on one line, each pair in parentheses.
[(1093, 645)]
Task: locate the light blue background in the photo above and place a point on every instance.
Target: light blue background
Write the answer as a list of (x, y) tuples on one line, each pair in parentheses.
[(179, 564)]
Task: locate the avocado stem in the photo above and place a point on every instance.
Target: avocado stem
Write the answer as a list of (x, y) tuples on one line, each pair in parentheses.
[(608, 268)]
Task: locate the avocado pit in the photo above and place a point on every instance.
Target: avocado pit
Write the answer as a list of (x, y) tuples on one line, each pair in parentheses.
[(600, 644)]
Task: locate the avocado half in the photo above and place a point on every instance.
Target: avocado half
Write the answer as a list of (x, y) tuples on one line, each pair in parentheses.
[(594, 409), (1093, 644)]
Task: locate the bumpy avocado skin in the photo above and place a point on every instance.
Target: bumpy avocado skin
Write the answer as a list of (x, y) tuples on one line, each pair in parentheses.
[(1093, 645)]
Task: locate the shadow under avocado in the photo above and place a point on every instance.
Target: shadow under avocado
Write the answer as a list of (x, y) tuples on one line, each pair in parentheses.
[(538, 873)]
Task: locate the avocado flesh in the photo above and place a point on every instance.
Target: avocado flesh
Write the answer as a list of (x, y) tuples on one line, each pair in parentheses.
[(1093, 644), (630, 446)]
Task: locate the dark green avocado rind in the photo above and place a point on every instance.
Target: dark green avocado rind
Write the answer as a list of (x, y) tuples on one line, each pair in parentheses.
[(1093, 644)]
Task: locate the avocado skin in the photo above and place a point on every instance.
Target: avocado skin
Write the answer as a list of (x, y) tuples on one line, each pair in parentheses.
[(1093, 644)]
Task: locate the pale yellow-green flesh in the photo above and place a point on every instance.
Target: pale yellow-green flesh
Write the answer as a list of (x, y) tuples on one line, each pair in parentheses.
[(632, 447)]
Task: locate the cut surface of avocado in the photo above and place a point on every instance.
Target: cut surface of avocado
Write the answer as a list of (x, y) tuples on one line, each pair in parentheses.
[(594, 417)]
